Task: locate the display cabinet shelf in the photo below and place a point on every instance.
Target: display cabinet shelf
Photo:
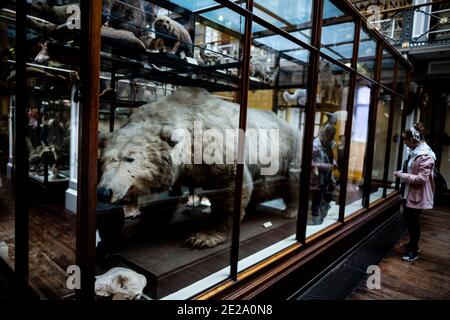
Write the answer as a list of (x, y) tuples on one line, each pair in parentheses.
[(122, 103)]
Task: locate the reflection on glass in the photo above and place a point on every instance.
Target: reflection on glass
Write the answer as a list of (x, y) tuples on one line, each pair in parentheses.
[(225, 17), (337, 41), (358, 146), (337, 37), (381, 130), (395, 143), (52, 56), (7, 109), (387, 69), (195, 5), (328, 147), (282, 61), (270, 224), (367, 55), (391, 26), (402, 76), (52, 80), (290, 12), (292, 16), (330, 10)]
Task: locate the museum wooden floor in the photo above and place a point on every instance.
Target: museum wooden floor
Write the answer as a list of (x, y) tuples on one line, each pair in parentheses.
[(426, 278)]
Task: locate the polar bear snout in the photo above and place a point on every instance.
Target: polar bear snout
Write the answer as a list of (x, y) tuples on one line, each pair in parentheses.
[(104, 194)]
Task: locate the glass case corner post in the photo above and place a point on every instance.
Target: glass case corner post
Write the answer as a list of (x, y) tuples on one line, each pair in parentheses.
[(91, 18)]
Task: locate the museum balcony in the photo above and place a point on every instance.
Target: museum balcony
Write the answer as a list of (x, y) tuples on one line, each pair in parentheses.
[(418, 28)]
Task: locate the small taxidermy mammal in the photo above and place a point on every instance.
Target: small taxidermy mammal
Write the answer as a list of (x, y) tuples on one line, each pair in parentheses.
[(174, 36), (258, 70), (208, 57), (330, 87), (130, 15), (135, 16), (55, 14)]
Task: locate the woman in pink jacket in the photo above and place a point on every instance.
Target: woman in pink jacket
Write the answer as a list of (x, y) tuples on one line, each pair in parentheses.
[(418, 177)]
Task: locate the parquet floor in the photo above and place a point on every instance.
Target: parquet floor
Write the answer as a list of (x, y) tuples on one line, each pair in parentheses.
[(424, 279)]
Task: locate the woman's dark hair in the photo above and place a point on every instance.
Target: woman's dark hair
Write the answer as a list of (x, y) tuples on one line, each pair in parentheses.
[(408, 134)]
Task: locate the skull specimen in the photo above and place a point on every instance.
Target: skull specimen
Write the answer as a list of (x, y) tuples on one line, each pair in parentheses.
[(121, 283)]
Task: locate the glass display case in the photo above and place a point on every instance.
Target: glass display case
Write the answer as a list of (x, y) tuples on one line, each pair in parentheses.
[(173, 147)]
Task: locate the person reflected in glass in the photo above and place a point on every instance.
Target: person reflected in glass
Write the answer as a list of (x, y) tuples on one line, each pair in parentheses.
[(323, 163), (417, 179)]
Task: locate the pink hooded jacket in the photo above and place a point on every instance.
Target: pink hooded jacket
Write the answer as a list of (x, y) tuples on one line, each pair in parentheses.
[(419, 180)]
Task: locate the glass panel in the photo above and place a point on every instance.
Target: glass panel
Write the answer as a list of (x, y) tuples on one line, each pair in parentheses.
[(331, 11), (387, 69), (282, 62), (292, 16), (337, 41), (7, 109), (391, 25), (381, 130), (167, 161), (275, 124), (195, 5), (358, 146), (395, 143), (328, 147), (225, 17), (401, 79), (52, 80), (287, 11), (367, 55), (338, 33)]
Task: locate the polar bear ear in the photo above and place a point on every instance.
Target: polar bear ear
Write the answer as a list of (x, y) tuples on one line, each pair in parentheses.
[(167, 136)]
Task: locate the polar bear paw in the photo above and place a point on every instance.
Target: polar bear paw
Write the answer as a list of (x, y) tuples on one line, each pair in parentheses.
[(290, 213), (203, 240)]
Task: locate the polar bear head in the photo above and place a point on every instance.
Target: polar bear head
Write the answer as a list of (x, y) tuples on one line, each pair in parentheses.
[(136, 161)]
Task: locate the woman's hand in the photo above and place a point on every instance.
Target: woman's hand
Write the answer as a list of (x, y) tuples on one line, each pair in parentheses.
[(397, 174)]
